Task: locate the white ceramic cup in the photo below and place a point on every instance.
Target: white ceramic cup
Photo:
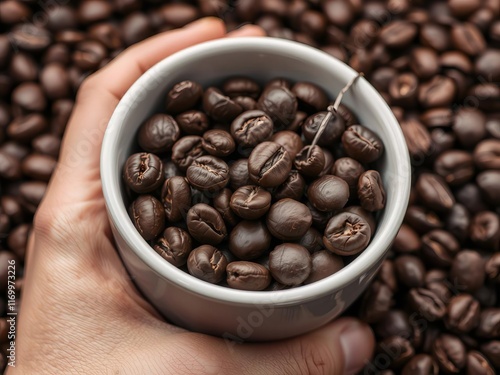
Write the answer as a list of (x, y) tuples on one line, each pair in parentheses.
[(236, 314)]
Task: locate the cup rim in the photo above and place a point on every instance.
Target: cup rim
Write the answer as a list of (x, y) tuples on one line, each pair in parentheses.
[(357, 269)]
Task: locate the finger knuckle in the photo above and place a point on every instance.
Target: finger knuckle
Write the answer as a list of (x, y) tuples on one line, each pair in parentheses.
[(314, 359)]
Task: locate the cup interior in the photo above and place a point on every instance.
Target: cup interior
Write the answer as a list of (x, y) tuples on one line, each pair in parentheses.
[(262, 59)]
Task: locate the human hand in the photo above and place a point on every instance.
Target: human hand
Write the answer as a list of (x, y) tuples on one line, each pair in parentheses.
[(81, 312)]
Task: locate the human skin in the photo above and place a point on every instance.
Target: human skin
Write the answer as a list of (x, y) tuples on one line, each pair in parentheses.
[(81, 313)]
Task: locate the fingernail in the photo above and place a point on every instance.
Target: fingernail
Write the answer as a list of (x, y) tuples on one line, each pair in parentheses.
[(352, 338)]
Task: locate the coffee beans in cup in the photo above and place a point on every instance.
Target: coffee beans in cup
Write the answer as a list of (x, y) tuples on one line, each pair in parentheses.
[(251, 196)]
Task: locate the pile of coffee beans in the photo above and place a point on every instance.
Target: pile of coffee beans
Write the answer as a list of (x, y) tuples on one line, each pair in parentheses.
[(255, 188), (435, 63)]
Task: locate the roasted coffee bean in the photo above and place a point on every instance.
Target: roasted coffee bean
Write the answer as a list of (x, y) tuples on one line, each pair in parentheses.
[(329, 159), (403, 90), (290, 140), (12, 12), (434, 193), (371, 192), (422, 220), (176, 198), (421, 364), (30, 37), (462, 313), (489, 184), (493, 267), (407, 240), (410, 270), (478, 364), (455, 166), (222, 205), (290, 264), (324, 264), (183, 96), (250, 202), (424, 62), (485, 230), (55, 81), (328, 193), (280, 104), (427, 303), (89, 54), (439, 91), (394, 323), (148, 216), (437, 118), (251, 128), (107, 34), (238, 174), (207, 263), (331, 133), (358, 210), (362, 144), (486, 67), (174, 246), (158, 133), (487, 154), (469, 126), (439, 247), (450, 353), (205, 224), (143, 172), (17, 240), (220, 107), (208, 173), (25, 128), (28, 97), (467, 271), (312, 240), (347, 234), (492, 350), (400, 349), (310, 161), (489, 323), (10, 167), (31, 194), (458, 222), (288, 219), (218, 143), (94, 10), (38, 167), (175, 15), (349, 170), (247, 276), (471, 197), (241, 86), (292, 188), (186, 149), (376, 302), (249, 240), (418, 140), (310, 96), (467, 38), (193, 122), (397, 34), (269, 164), (135, 27), (246, 102)]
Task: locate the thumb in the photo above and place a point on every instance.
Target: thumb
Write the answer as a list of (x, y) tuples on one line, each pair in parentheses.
[(341, 347)]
